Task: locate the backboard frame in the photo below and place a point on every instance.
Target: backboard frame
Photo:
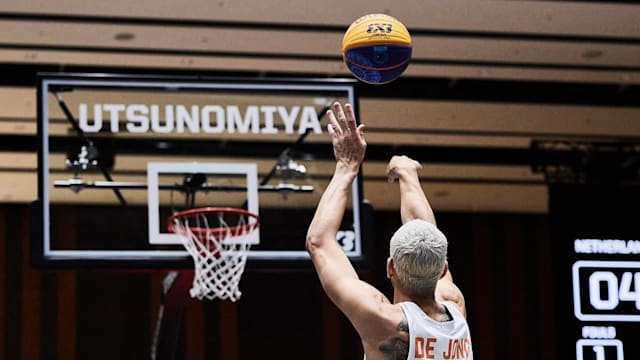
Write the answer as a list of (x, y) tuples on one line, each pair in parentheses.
[(45, 257)]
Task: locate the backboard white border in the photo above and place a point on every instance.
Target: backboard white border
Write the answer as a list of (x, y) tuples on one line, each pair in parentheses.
[(154, 169)]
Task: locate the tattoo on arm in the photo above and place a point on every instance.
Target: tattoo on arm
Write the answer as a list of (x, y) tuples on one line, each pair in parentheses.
[(397, 348)]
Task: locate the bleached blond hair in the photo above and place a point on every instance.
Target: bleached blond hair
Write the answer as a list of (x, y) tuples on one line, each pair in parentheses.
[(419, 253)]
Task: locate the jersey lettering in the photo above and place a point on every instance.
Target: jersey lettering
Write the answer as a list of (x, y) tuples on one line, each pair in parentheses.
[(455, 348)]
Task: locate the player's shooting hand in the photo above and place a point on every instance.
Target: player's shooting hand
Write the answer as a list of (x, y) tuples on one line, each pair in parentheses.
[(400, 166), (348, 140)]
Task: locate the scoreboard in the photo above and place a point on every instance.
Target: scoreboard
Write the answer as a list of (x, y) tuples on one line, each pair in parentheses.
[(606, 304), (596, 259), (606, 290)]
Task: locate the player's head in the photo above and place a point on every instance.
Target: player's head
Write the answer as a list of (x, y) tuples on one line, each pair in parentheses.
[(419, 254)]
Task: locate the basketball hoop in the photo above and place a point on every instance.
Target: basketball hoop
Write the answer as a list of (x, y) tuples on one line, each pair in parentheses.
[(218, 239)]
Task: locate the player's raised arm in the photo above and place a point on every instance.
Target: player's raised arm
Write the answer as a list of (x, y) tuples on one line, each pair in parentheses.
[(413, 201), (348, 147), (358, 300), (415, 205)]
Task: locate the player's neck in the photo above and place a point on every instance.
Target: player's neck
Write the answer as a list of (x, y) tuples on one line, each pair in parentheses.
[(426, 300), (427, 303)]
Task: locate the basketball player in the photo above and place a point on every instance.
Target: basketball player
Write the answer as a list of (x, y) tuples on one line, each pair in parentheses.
[(427, 317)]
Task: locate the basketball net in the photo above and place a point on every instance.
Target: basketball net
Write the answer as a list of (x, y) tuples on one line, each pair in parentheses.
[(219, 250)]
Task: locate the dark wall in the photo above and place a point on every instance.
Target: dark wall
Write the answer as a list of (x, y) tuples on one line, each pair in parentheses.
[(500, 261)]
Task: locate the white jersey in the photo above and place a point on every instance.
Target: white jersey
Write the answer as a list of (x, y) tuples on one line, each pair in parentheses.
[(430, 339)]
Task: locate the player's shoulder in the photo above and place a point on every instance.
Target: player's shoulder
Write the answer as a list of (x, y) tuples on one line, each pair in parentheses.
[(393, 316), (447, 291), (457, 310), (387, 315), (389, 333)]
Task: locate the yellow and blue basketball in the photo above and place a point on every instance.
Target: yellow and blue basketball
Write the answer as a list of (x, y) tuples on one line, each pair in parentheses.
[(376, 48)]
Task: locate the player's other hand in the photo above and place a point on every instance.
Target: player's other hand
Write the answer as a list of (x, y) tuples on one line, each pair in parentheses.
[(348, 140), (400, 166)]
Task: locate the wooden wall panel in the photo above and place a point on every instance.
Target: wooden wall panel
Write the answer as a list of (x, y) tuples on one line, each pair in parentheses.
[(3, 283), (516, 309), (428, 115), (229, 331), (559, 17), (31, 296), (331, 329), (546, 312), (12, 239), (482, 312), (66, 292), (303, 43)]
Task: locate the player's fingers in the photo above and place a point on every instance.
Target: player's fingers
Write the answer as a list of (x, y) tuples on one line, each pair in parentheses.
[(360, 132), (340, 116), (333, 123), (390, 169), (330, 129), (361, 129), (350, 116), (391, 174)]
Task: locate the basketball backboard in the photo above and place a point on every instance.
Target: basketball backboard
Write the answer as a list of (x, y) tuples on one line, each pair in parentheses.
[(119, 154)]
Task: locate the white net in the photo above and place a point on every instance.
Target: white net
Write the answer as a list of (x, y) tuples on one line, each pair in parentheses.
[(219, 250)]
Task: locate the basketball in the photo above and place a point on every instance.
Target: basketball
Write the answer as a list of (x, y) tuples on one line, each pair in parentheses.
[(376, 48)]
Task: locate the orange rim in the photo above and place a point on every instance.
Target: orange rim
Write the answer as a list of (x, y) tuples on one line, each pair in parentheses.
[(233, 230)]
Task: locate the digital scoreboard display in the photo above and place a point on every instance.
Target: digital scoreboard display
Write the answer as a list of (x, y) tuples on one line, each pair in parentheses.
[(606, 304), (597, 264)]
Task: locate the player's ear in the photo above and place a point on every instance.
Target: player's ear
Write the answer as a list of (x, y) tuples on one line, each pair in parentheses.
[(391, 271), (444, 269)]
